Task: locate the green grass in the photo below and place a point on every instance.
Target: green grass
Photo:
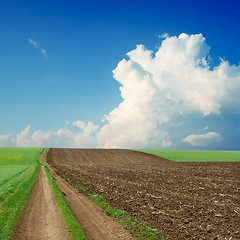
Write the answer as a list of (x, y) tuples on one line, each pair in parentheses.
[(196, 155), (135, 225), (18, 171), (19, 156), (73, 227)]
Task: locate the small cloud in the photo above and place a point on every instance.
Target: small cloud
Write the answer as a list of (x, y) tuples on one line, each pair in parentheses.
[(43, 52), (203, 140), (67, 122), (164, 35), (166, 144), (35, 44), (206, 128), (79, 124), (22, 138), (5, 140), (87, 128)]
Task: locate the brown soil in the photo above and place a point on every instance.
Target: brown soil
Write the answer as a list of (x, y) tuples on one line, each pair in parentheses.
[(42, 217), (181, 200)]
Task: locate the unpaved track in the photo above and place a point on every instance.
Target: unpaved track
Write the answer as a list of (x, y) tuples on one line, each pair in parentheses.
[(42, 217), (95, 224)]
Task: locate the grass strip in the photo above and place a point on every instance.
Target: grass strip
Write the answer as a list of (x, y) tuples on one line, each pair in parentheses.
[(195, 155), (11, 209), (46, 152), (135, 225), (73, 227)]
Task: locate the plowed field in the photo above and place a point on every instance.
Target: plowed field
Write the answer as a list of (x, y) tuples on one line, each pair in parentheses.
[(181, 200)]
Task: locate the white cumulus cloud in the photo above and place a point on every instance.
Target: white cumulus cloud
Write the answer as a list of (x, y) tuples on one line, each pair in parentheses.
[(63, 137), (203, 140), (6, 140), (158, 88), (88, 128), (166, 95)]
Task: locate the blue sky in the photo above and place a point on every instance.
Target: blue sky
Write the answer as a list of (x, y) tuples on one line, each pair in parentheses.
[(56, 64)]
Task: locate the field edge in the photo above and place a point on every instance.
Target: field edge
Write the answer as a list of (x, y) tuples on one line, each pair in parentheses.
[(195, 155)]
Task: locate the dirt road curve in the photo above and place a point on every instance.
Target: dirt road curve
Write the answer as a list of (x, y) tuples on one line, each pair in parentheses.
[(42, 218)]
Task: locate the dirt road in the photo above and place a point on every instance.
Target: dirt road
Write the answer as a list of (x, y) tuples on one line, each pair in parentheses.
[(42, 217)]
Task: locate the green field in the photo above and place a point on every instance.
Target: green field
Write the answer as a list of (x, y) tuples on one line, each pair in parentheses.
[(19, 156), (18, 170), (196, 155)]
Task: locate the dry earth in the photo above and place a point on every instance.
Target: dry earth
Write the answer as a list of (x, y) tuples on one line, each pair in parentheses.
[(181, 200)]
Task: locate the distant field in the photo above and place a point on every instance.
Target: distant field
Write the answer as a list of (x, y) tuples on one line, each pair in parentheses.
[(196, 155), (19, 156), (18, 169)]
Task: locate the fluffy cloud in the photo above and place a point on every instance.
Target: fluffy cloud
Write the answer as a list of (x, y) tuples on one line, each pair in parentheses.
[(204, 139), (88, 128), (63, 137), (157, 89), (167, 95), (6, 140)]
